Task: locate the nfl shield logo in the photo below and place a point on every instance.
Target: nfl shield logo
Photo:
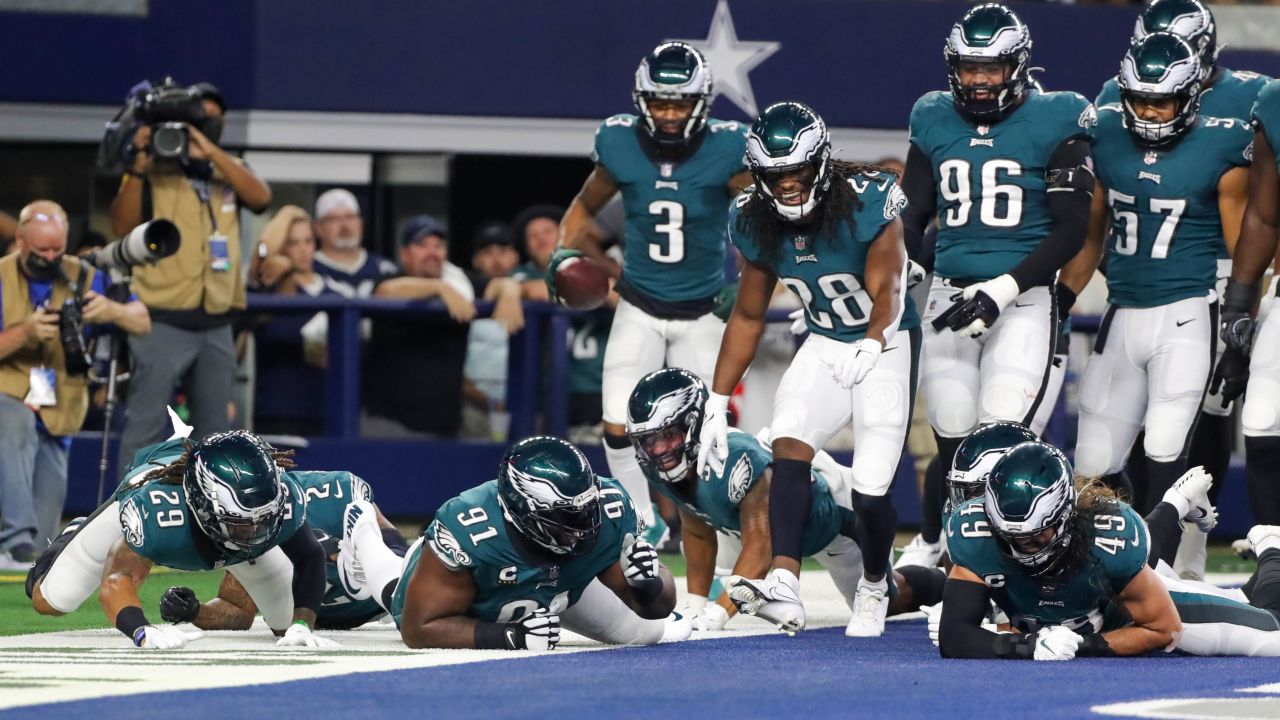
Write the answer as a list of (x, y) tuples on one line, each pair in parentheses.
[(1151, 158), (665, 170), (984, 129), (799, 242)]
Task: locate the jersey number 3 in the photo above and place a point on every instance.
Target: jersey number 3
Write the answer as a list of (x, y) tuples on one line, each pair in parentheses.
[(671, 215)]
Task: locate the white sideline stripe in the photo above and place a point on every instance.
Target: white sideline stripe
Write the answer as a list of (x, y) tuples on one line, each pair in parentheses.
[(1227, 708)]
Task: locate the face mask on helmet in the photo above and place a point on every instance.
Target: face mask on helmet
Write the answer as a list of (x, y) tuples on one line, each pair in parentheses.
[(667, 454), (672, 93), (1160, 83), (789, 154), (987, 56), (550, 495), (235, 493), (1030, 504), (569, 527), (664, 418)]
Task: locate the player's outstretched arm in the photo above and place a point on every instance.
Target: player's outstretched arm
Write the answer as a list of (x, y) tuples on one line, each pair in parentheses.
[(700, 545), (579, 219), (745, 326), (886, 282), (757, 546), (654, 607), (1155, 619), (1260, 225), (1079, 270), (233, 609), (122, 574), (308, 559)]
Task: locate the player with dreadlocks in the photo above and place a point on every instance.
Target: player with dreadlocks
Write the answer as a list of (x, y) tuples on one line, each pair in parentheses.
[(829, 231), (226, 501)]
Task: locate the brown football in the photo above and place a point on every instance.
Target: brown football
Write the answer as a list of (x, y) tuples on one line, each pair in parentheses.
[(581, 283)]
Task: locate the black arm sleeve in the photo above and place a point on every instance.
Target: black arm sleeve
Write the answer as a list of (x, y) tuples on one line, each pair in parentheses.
[(960, 634), (918, 185), (308, 568), (1070, 195)]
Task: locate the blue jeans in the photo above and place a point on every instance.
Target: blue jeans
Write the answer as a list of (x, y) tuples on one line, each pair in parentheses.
[(33, 477)]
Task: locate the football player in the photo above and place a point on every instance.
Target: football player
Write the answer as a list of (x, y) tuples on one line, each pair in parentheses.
[(1174, 184), (327, 495), (1070, 573), (224, 502), (1005, 168), (664, 419), (503, 562), (1225, 93), (677, 170), (1256, 250), (829, 231)]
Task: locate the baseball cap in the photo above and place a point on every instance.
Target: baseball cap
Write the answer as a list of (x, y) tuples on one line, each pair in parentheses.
[(336, 199), (491, 233), (420, 226)]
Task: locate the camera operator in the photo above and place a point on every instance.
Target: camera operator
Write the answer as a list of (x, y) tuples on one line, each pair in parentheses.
[(192, 294), (43, 396)]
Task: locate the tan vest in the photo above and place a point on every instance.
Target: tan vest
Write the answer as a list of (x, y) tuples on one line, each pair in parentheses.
[(72, 393), (186, 279)]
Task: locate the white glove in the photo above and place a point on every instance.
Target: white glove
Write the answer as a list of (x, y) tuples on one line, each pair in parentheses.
[(1056, 643), (855, 361), (711, 619), (1002, 290), (678, 628), (639, 564), (299, 635), (915, 275), (713, 442), (166, 637), (934, 615), (539, 631), (798, 325)]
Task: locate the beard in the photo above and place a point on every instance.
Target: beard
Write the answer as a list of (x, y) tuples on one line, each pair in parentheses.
[(346, 242)]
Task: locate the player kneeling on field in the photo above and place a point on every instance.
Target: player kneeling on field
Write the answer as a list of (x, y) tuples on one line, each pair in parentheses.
[(224, 502), (506, 560), (664, 422)]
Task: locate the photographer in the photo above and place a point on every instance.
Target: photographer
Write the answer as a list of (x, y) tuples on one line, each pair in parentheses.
[(193, 293), (42, 396)]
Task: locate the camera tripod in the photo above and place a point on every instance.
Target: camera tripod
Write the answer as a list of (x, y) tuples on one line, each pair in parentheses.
[(117, 291)]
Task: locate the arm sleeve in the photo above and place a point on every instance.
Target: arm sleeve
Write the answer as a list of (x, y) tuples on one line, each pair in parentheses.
[(1070, 194), (917, 183), (304, 551), (960, 634)]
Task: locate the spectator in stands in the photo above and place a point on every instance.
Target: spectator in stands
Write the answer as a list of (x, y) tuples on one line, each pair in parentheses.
[(536, 227), (413, 376), (484, 390), (43, 399), (194, 293), (494, 254), (354, 271), (290, 349)]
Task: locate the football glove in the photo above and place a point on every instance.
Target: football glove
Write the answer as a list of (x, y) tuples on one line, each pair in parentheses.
[(712, 618), (976, 308), (299, 635), (179, 605), (678, 628), (713, 441), (539, 631), (1056, 643), (557, 257), (1237, 327), (163, 637), (640, 568), (855, 361), (934, 614), (725, 300), (1231, 376), (915, 273), (798, 325)]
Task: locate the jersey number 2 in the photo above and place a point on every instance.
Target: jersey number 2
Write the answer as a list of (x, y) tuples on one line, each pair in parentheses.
[(672, 225), (849, 301)]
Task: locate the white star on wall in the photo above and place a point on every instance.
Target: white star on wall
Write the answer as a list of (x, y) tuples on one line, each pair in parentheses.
[(731, 59)]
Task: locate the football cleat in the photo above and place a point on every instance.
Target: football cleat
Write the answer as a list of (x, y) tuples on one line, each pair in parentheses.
[(870, 606), (359, 520), (919, 552), (775, 599), (1263, 538), (1193, 486)]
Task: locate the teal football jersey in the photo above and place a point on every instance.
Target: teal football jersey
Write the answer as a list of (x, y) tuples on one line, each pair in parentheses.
[(826, 271), (674, 249), (1166, 231), (1118, 551), (1231, 95), (1265, 116), (992, 207), (327, 495), (512, 579), (715, 498), (157, 522)]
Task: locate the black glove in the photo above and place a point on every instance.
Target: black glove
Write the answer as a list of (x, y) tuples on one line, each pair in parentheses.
[(179, 604), (963, 312), (1231, 376), (1065, 299), (1237, 325)]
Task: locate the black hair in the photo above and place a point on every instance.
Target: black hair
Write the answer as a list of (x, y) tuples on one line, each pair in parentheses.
[(839, 204)]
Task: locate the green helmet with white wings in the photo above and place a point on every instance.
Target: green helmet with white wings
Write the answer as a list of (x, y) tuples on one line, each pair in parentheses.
[(673, 71), (235, 493), (1030, 502), (1159, 67), (989, 34), (1189, 20), (664, 421), (977, 454), (550, 494), (789, 136)]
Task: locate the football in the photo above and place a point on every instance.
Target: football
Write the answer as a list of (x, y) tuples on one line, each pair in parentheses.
[(581, 283)]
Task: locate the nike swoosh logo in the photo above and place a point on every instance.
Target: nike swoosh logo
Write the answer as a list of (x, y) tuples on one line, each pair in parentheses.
[(1018, 304), (1184, 322), (511, 638)]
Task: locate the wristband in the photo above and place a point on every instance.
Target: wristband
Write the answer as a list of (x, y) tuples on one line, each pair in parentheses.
[(492, 636), (1095, 645), (1015, 646), (303, 623), (130, 621), (1239, 296)]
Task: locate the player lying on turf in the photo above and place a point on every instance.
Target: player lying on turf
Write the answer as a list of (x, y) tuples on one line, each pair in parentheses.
[(327, 495), (1071, 575), (224, 502), (506, 560), (664, 421)]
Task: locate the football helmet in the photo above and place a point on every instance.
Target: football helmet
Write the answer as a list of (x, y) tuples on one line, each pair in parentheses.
[(989, 33), (549, 493), (235, 493), (1189, 20), (789, 136), (1157, 67), (977, 454), (664, 420), (673, 71), (1030, 502)]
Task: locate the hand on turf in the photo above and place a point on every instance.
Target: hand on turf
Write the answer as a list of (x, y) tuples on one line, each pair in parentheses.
[(163, 637), (855, 361), (713, 442), (539, 631), (934, 614), (299, 635), (1056, 643), (179, 605), (712, 618)]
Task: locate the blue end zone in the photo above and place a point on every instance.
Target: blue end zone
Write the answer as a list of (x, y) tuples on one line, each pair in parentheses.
[(818, 673)]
